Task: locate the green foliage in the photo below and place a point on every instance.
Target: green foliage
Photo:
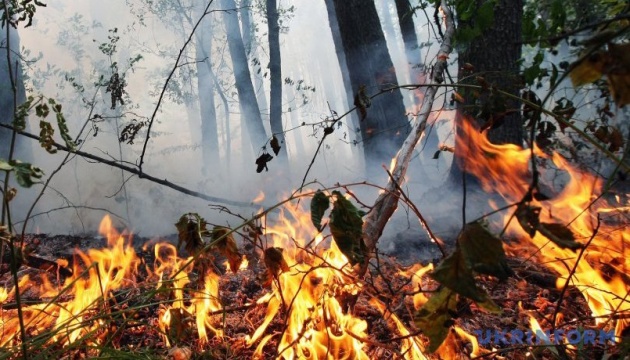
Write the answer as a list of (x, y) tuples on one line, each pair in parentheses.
[(319, 205), (473, 19), (19, 11), (477, 251), (346, 226), (483, 252), (25, 173), (435, 317)]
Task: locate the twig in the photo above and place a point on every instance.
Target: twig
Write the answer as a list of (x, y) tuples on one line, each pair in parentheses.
[(140, 174), (423, 221), (168, 79), (387, 202)]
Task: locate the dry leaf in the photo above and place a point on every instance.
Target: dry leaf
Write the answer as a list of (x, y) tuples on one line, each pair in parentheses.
[(225, 243), (275, 145), (275, 263)]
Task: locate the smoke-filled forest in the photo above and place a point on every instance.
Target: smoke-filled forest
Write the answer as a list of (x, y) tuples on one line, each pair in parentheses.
[(329, 179)]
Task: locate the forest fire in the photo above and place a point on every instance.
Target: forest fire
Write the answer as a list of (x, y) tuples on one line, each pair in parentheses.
[(309, 307), (599, 268)]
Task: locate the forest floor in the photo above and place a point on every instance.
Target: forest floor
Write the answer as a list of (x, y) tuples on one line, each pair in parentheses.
[(531, 292)]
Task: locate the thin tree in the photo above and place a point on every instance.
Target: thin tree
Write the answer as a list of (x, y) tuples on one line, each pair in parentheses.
[(246, 94), (275, 74)]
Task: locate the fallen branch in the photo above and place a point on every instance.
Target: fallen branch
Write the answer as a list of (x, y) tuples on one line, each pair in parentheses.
[(387, 201), (141, 175)]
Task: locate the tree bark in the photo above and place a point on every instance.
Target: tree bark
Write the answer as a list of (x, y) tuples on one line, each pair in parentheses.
[(275, 75), (369, 64), (495, 56), (343, 65), (245, 88)]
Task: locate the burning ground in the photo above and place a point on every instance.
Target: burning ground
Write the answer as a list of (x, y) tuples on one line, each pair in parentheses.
[(276, 287)]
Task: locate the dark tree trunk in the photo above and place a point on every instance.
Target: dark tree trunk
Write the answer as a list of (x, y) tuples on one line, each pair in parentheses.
[(495, 56), (343, 65), (275, 75), (370, 65), (206, 89), (246, 94), (7, 96)]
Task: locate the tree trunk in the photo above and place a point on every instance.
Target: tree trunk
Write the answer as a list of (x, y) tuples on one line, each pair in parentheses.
[(410, 39), (343, 65), (206, 89), (246, 94), (275, 73), (495, 56), (7, 96), (369, 63)]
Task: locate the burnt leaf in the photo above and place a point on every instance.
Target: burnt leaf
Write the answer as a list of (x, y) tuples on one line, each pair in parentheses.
[(454, 273), (362, 101), (483, 252), (275, 264), (560, 235), (275, 145), (529, 218), (616, 140), (346, 226), (261, 162), (434, 318), (130, 131), (223, 240), (46, 133), (191, 228)]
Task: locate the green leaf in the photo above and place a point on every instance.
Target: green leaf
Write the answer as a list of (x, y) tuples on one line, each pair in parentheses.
[(63, 128), (346, 226), (319, 205), (25, 173), (5, 166), (483, 252), (454, 273), (435, 317)]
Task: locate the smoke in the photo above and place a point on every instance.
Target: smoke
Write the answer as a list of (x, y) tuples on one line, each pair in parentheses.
[(65, 58)]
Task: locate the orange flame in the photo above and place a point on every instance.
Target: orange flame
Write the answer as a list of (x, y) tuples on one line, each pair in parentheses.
[(506, 170)]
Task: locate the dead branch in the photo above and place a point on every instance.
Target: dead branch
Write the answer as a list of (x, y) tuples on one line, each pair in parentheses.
[(136, 171), (387, 201)]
